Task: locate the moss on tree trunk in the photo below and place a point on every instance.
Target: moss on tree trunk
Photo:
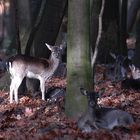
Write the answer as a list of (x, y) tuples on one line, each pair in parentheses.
[(78, 57)]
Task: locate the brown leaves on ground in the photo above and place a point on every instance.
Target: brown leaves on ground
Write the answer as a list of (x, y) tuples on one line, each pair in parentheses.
[(57, 82), (34, 119)]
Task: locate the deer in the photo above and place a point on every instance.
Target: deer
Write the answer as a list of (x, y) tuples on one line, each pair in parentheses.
[(97, 117), (119, 66), (132, 82), (134, 71), (20, 66)]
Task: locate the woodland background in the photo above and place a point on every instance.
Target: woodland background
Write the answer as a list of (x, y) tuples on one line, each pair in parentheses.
[(26, 25)]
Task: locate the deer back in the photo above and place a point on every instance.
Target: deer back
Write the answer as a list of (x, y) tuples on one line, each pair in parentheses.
[(111, 117), (27, 65)]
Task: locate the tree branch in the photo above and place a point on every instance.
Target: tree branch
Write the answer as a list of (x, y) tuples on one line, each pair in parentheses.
[(99, 35)]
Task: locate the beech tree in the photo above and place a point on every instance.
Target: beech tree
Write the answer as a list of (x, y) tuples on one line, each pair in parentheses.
[(78, 56)]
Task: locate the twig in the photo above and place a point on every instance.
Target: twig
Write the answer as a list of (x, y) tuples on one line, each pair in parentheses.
[(99, 35)]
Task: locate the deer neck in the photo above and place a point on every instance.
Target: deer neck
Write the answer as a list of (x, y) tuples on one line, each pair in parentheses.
[(54, 62), (91, 110)]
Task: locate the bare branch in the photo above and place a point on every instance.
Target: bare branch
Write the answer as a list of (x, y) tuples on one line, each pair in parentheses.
[(99, 35)]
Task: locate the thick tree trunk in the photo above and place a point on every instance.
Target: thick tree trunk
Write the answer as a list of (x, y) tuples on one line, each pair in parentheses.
[(9, 26), (1, 22), (78, 63), (17, 36)]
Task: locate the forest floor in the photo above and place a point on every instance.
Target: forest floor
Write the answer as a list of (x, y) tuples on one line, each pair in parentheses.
[(35, 119)]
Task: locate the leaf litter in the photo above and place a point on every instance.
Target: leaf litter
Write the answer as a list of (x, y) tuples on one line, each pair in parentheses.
[(34, 119)]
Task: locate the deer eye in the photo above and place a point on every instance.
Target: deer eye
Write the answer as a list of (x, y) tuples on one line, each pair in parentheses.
[(92, 103)]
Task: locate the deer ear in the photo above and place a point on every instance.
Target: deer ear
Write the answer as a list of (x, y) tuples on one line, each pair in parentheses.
[(63, 45), (132, 67), (101, 92), (113, 55), (84, 91), (49, 46)]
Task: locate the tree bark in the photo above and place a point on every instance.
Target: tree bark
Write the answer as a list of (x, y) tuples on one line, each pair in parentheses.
[(132, 13), (78, 60), (1, 21), (131, 19), (17, 36), (123, 27), (137, 49), (24, 18)]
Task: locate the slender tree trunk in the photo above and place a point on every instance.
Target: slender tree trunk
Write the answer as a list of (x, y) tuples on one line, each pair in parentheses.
[(131, 19), (78, 60), (24, 19), (123, 27), (9, 26), (1, 21), (98, 39), (17, 36)]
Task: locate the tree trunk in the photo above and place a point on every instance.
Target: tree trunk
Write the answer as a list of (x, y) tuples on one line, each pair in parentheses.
[(17, 36), (132, 15), (78, 63), (123, 27), (24, 22), (137, 49), (35, 28), (9, 26)]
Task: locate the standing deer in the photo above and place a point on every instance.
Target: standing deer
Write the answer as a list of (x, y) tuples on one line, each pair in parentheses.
[(101, 117), (20, 66)]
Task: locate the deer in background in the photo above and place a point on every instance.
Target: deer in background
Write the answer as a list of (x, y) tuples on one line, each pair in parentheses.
[(20, 66), (134, 81), (97, 117), (135, 72), (119, 66)]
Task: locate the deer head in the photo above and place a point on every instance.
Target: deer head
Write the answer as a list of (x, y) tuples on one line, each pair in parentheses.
[(92, 97), (134, 71)]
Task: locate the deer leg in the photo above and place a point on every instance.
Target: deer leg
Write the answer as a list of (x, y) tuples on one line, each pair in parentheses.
[(42, 88), (17, 82), (11, 90)]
